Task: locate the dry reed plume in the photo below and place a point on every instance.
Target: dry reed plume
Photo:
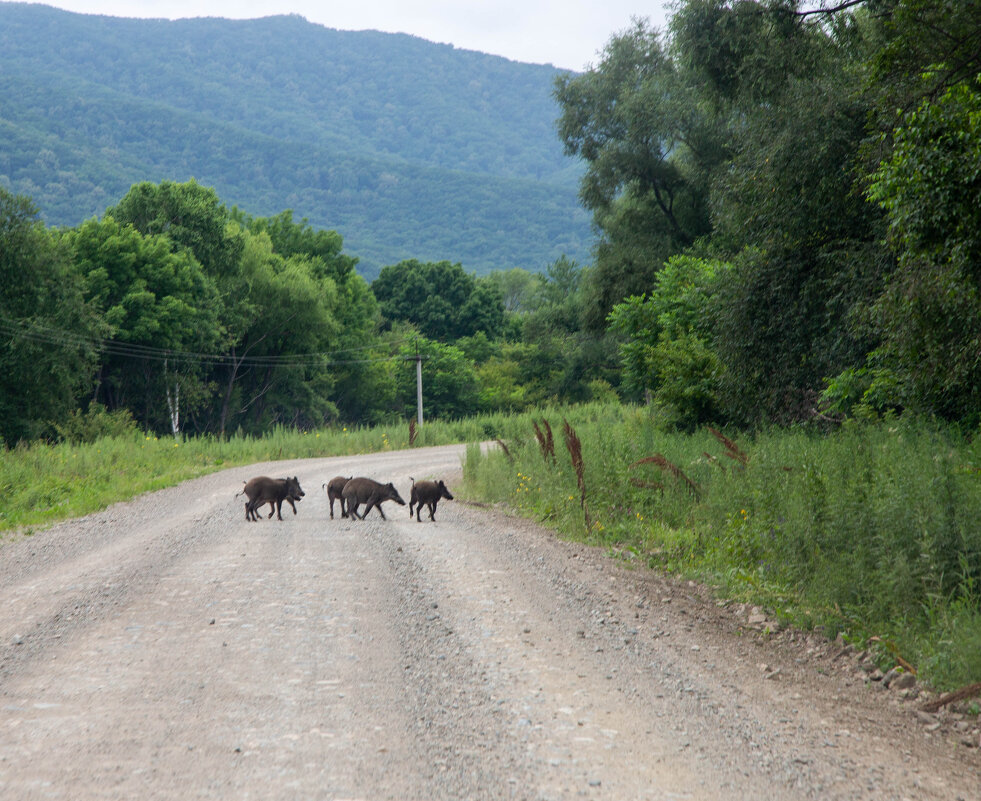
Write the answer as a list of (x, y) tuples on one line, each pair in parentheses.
[(574, 446), (549, 440), (504, 448), (540, 436), (412, 432), (545, 440), (660, 461), (731, 449)]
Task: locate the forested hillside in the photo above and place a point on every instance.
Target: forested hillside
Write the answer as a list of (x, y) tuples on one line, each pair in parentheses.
[(407, 148), (786, 204)]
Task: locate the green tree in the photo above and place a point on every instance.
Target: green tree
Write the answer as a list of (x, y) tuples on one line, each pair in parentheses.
[(929, 315), (563, 359), (50, 333), (667, 347), (289, 238), (361, 388), (788, 209), (153, 301), (560, 300), (440, 299), (647, 146), (929, 185), (504, 383), (364, 389), (925, 48), (285, 325), (191, 215), (518, 289), (449, 386), (923, 158)]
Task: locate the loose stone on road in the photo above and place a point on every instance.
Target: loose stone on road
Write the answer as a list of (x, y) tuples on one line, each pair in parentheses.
[(168, 649)]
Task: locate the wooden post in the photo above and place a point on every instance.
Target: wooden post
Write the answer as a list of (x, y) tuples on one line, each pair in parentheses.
[(418, 385)]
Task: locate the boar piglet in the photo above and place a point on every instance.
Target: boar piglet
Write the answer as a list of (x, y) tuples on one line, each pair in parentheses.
[(262, 490), (367, 491), (334, 489), (429, 493)]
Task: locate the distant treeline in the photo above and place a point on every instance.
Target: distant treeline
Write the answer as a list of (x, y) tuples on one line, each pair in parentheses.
[(184, 316)]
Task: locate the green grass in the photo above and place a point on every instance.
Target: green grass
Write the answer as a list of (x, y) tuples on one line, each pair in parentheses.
[(874, 529), (43, 483)]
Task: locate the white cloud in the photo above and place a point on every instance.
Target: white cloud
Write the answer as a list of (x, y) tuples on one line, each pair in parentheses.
[(566, 33)]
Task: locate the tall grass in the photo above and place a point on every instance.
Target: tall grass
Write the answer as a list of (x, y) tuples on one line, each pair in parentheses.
[(42, 483), (871, 530)]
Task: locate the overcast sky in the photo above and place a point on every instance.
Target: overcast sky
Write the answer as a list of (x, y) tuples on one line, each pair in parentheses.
[(565, 33)]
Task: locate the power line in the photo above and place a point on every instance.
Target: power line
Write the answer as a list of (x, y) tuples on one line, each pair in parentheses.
[(60, 337)]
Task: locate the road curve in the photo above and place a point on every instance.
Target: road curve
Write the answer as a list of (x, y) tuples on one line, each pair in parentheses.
[(168, 649)]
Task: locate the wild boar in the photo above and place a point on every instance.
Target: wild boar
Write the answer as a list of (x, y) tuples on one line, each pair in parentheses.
[(334, 489), (429, 493), (262, 490), (367, 491), (272, 505)]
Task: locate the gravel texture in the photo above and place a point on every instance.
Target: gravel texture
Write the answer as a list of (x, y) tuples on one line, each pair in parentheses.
[(166, 648)]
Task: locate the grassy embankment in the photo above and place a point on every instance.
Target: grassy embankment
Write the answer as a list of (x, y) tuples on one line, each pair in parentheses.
[(871, 530), (43, 483)]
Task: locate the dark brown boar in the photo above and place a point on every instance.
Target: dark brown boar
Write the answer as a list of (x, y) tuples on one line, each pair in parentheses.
[(429, 493), (272, 505), (334, 489), (367, 491), (262, 490)]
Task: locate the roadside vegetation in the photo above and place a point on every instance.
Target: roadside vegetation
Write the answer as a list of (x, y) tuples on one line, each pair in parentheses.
[(43, 482), (868, 531)]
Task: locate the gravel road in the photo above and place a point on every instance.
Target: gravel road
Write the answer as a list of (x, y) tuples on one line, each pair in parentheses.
[(168, 649)]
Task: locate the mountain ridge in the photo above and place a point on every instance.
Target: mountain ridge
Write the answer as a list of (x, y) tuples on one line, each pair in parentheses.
[(408, 148)]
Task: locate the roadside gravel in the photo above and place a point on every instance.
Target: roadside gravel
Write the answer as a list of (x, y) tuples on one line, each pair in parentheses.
[(166, 648)]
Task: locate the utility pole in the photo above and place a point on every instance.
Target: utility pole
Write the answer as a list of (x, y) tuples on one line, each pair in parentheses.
[(418, 385)]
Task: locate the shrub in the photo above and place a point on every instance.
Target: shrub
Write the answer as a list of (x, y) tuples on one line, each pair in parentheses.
[(95, 423)]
